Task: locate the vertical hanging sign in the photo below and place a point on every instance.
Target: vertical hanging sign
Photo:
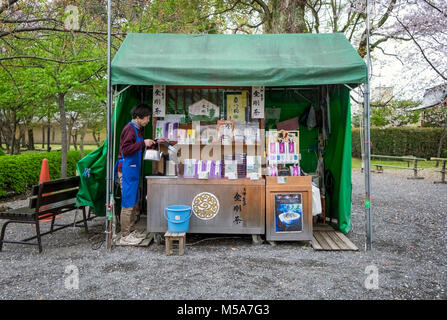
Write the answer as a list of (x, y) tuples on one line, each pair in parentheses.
[(257, 102), (159, 101)]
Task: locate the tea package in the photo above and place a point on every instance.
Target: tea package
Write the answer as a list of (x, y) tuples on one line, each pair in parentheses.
[(181, 136), (212, 134), (272, 171), (252, 133), (239, 132), (215, 169), (231, 169), (204, 135), (204, 168), (160, 129), (190, 168), (295, 171), (225, 131), (254, 168), (172, 131)]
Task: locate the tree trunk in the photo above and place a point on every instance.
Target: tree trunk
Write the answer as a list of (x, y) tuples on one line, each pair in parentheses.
[(5, 135), (64, 140), (69, 135), (287, 16), (81, 144), (97, 139), (48, 135), (441, 141), (22, 137), (31, 139), (13, 135), (43, 136), (74, 137)]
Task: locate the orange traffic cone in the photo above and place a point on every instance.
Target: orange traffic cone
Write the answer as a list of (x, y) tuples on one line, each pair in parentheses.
[(45, 176), (44, 171)]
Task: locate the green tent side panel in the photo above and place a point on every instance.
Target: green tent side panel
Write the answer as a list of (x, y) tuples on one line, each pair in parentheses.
[(337, 159), (237, 60), (92, 188)]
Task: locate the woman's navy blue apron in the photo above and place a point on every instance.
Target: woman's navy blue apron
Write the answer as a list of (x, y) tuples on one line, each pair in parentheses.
[(131, 175)]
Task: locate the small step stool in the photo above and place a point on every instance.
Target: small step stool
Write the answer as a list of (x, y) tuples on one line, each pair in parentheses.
[(170, 237)]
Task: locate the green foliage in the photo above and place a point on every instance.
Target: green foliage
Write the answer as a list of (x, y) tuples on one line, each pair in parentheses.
[(2, 153), (402, 141), (435, 117), (19, 172), (394, 113)]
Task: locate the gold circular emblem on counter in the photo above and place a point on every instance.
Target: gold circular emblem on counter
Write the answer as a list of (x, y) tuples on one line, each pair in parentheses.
[(205, 205)]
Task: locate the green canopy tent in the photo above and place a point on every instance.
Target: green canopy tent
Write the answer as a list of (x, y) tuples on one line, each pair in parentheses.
[(294, 68)]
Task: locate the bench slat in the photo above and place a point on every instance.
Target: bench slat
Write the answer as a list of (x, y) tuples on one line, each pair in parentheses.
[(57, 185), (22, 213), (390, 166), (28, 213), (54, 197)]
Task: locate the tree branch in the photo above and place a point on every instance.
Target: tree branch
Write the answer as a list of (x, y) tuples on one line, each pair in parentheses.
[(7, 5), (52, 60), (422, 50), (434, 7), (41, 28)]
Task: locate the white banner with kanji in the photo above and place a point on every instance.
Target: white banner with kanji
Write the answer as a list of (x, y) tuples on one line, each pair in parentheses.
[(159, 101), (257, 102)]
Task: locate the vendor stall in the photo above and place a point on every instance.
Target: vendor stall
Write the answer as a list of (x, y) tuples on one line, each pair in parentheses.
[(255, 124)]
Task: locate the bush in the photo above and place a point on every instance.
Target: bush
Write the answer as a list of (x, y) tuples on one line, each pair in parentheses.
[(19, 172), (401, 141), (2, 153)]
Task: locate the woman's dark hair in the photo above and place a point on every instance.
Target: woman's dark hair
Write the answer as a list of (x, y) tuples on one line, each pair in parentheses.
[(141, 110)]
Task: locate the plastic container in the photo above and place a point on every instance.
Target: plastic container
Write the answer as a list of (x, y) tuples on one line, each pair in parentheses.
[(178, 218)]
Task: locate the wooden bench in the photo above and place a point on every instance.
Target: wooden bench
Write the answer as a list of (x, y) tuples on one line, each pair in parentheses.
[(408, 159), (444, 160), (170, 237), (48, 200)]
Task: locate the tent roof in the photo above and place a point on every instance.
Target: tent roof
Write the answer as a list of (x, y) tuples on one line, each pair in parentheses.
[(237, 60)]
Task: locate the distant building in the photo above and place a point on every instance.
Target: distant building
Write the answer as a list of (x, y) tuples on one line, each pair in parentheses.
[(382, 95), (433, 97)]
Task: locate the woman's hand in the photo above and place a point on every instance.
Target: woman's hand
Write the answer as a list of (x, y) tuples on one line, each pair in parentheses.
[(149, 143)]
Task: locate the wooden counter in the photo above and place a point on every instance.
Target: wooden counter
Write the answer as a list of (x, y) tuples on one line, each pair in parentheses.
[(241, 204)]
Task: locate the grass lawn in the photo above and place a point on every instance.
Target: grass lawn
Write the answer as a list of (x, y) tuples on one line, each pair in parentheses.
[(54, 147)]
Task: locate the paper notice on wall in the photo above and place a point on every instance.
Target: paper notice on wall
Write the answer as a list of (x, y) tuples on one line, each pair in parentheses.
[(159, 101), (257, 102), (203, 110)]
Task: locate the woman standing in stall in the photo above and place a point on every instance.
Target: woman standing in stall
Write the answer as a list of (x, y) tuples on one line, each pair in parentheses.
[(128, 168)]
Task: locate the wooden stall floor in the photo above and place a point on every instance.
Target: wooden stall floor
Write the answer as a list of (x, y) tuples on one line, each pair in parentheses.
[(326, 238), (141, 227)]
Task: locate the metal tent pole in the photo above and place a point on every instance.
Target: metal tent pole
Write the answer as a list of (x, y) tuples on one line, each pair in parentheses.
[(367, 158), (109, 195)]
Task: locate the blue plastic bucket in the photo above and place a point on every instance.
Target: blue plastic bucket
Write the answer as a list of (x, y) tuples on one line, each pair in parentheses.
[(178, 218)]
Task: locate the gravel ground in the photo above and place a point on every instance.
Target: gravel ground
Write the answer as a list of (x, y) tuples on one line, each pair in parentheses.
[(409, 254)]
